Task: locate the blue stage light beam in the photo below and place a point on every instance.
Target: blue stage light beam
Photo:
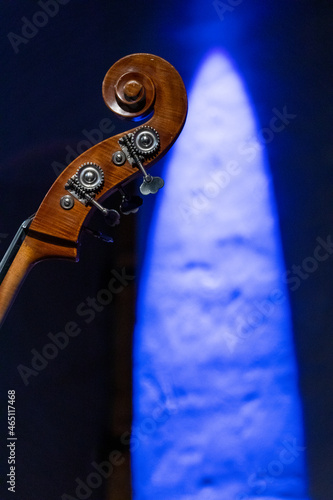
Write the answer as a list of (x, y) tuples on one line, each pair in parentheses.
[(217, 414)]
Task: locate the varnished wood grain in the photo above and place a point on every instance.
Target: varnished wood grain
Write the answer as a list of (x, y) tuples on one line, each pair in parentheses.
[(30, 252)]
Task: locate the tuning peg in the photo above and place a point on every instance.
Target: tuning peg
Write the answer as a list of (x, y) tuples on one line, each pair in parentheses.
[(112, 217), (146, 141), (151, 184), (130, 204)]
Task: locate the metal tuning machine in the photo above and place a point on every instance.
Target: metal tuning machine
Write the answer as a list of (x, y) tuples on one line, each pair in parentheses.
[(83, 186), (138, 146)]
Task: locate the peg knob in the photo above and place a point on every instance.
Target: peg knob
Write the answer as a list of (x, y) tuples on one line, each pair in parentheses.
[(133, 90), (129, 94)]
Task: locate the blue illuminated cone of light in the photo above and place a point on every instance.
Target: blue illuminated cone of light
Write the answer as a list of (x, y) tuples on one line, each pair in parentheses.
[(217, 412)]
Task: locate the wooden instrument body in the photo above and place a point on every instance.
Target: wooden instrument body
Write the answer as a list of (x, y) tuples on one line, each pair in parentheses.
[(138, 86)]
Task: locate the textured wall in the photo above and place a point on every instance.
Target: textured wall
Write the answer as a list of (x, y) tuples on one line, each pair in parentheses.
[(216, 412)]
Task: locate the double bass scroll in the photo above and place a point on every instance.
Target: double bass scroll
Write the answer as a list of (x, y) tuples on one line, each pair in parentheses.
[(138, 87)]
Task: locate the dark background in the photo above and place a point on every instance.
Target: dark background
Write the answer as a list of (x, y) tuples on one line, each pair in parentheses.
[(50, 92)]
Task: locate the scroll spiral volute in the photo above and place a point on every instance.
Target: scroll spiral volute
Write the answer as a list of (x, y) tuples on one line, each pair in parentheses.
[(129, 94), (137, 87)]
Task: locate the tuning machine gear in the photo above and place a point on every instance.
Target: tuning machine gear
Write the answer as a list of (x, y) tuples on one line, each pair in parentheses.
[(146, 141), (85, 184), (138, 146), (90, 176), (88, 179)]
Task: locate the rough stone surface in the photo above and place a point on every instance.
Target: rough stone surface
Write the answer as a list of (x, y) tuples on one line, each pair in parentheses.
[(217, 413)]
